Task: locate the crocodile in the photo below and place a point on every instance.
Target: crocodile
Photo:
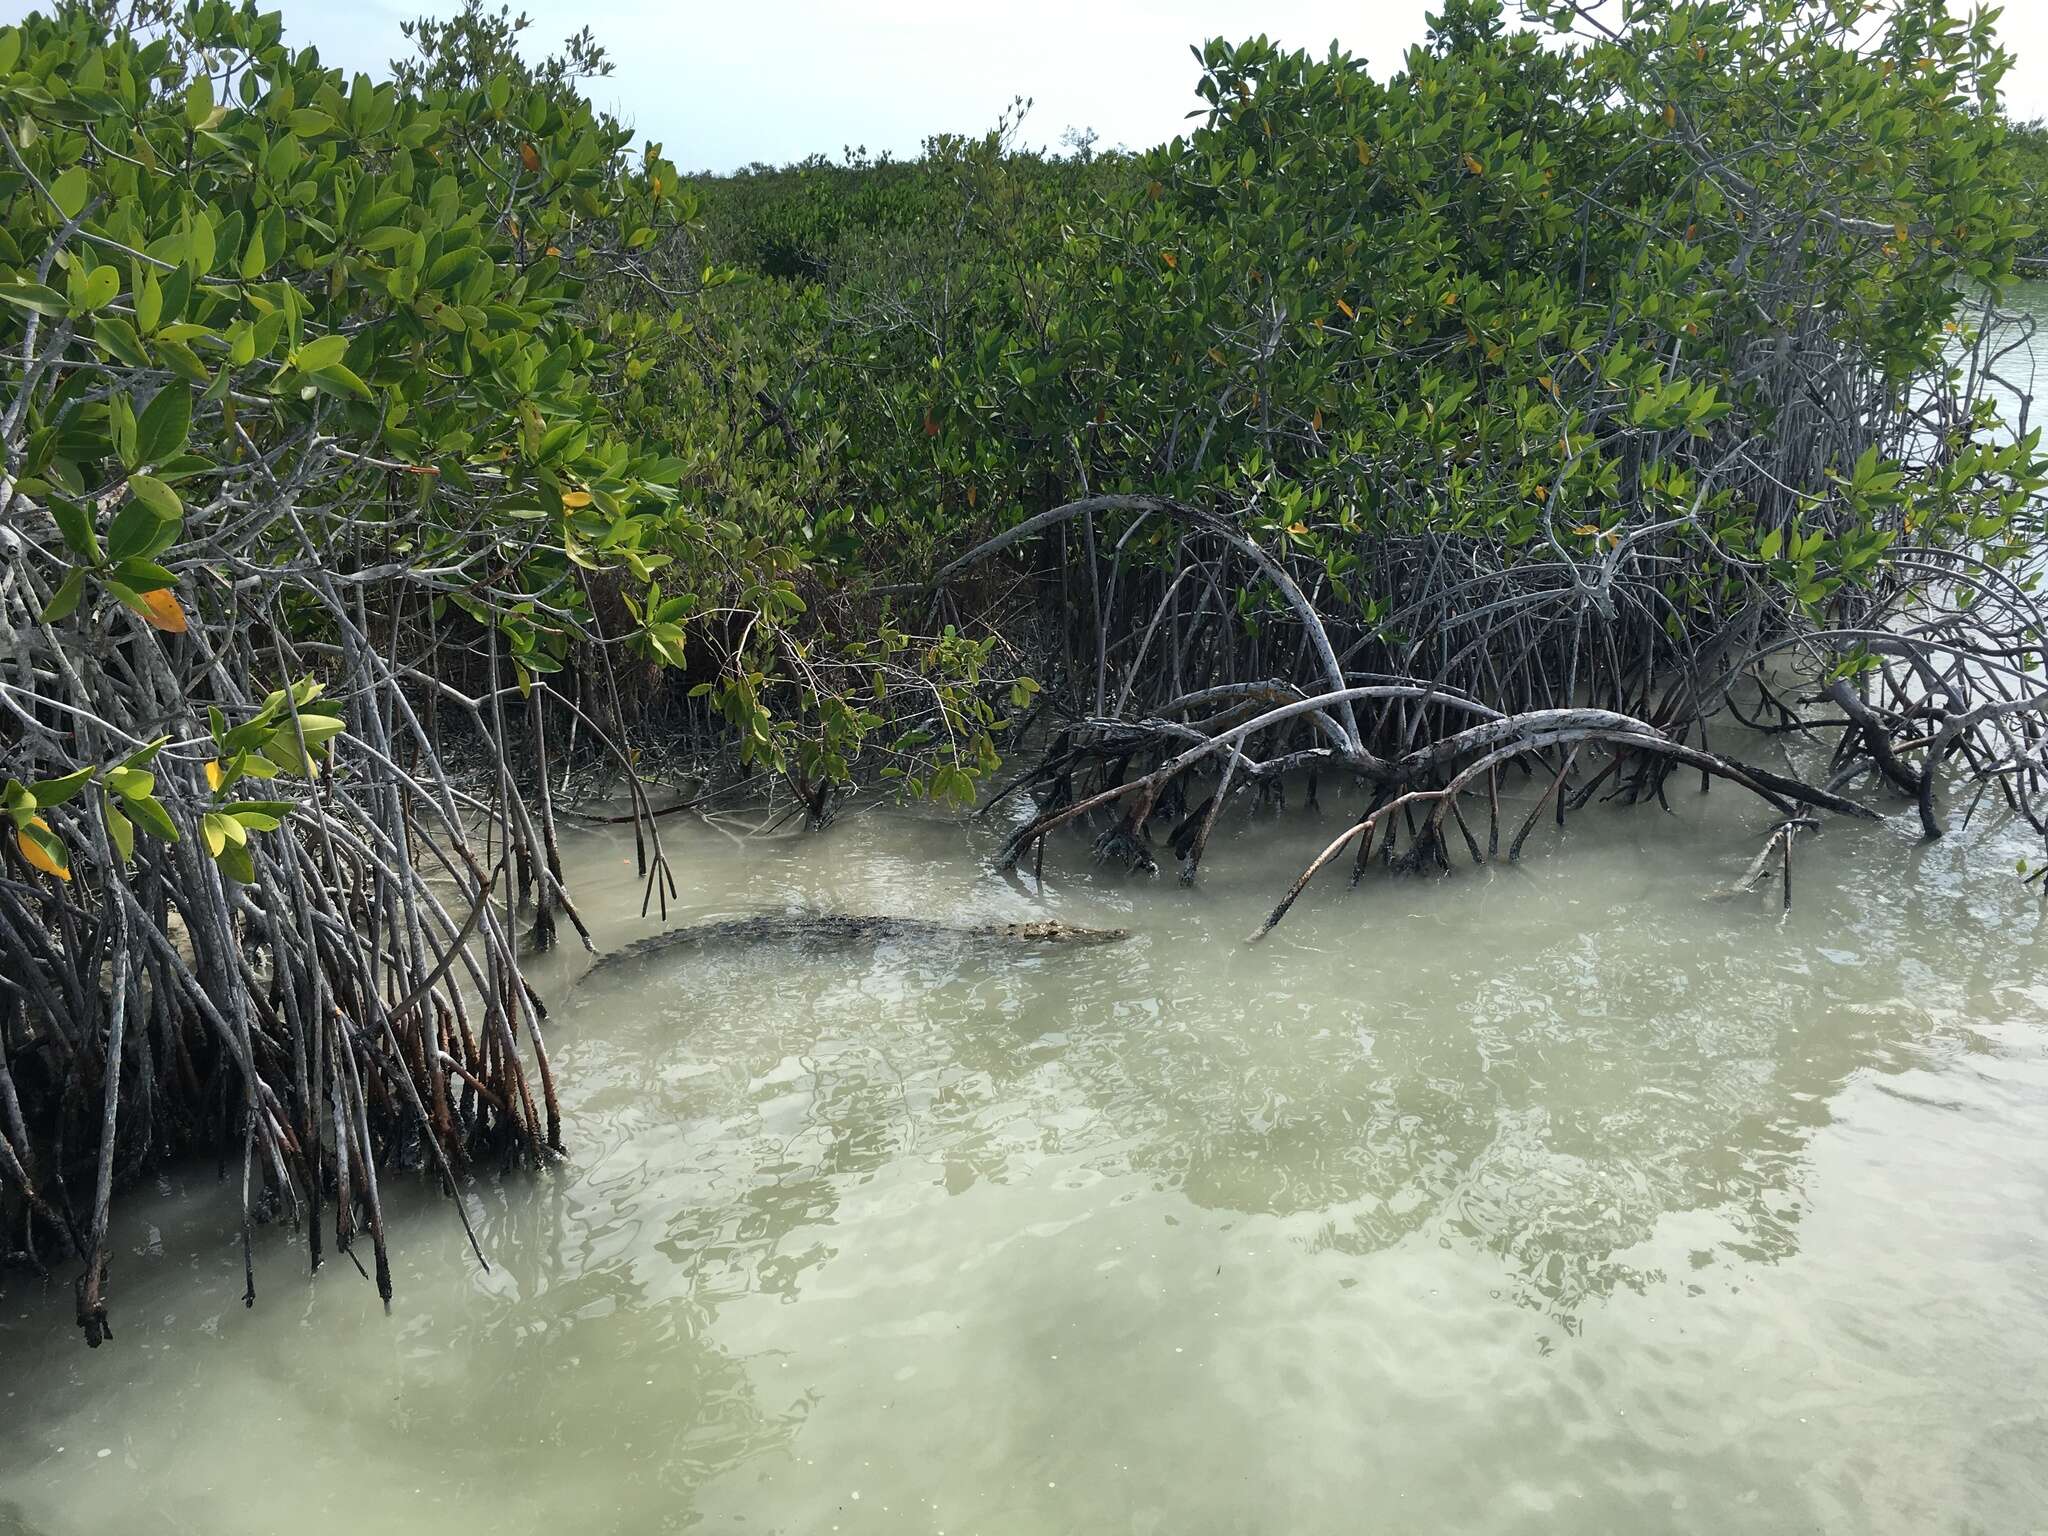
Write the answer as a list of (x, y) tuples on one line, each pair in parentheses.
[(842, 929)]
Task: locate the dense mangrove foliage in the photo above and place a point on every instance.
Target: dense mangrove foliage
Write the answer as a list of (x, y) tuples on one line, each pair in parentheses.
[(1572, 397)]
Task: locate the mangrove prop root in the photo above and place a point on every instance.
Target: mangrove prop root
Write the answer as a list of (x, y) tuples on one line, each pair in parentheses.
[(1933, 668), (347, 1001)]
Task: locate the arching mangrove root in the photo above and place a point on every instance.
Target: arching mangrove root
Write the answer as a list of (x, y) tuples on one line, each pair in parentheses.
[(1916, 687)]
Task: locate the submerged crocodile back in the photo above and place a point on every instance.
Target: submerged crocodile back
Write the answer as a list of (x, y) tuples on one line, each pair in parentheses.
[(842, 928)]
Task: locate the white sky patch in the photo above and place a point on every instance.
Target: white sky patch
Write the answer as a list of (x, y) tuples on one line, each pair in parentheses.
[(722, 84)]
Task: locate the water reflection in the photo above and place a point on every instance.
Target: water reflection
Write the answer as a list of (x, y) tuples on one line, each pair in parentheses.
[(1447, 1063), (1172, 1235)]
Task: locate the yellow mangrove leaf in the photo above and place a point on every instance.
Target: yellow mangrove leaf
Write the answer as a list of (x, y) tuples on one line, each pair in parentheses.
[(39, 845), (163, 611)]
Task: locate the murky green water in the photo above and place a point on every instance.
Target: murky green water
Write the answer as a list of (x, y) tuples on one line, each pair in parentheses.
[(1564, 1197), (2018, 349)]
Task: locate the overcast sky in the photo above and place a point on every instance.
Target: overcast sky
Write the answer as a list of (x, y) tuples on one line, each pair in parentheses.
[(724, 82)]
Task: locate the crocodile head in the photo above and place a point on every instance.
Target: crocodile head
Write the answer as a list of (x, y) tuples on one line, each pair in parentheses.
[(1053, 931)]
